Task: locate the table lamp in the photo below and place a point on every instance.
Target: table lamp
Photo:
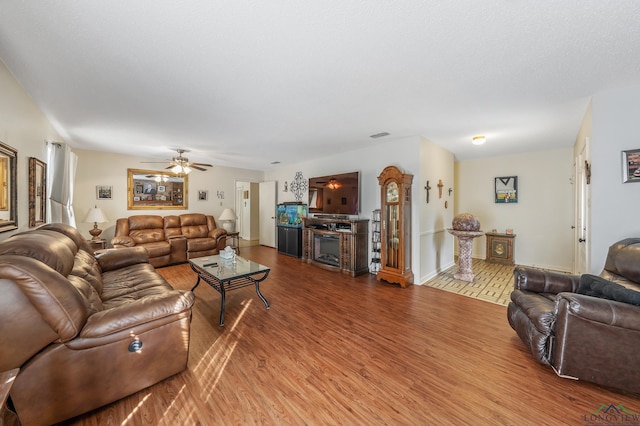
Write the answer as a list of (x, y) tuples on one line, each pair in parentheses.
[(96, 216), (228, 217)]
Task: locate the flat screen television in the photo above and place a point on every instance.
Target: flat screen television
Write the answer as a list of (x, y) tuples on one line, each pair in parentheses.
[(335, 195)]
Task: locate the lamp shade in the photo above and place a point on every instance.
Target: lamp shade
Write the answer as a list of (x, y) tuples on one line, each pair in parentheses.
[(227, 218), (95, 215), (227, 214)]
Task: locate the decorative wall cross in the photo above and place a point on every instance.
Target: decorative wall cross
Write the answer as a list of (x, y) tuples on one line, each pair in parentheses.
[(440, 186), (427, 187)]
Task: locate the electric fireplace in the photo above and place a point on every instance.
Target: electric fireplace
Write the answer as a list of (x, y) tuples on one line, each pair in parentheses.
[(326, 249)]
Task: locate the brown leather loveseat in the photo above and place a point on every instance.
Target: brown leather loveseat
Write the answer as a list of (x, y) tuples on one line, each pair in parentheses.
[(585, 327), (85, 331), (170, 239)]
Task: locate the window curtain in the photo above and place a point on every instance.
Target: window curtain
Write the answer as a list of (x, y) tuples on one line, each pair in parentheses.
[(62, 171)]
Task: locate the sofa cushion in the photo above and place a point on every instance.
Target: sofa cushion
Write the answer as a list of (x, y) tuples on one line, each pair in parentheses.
[(592, 285), (201, 244), (157, 249)]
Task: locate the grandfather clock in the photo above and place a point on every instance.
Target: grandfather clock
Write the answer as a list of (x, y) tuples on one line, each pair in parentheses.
[(395, 256)]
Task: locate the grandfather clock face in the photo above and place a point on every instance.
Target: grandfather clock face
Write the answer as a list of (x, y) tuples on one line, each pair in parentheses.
[(392, 192)]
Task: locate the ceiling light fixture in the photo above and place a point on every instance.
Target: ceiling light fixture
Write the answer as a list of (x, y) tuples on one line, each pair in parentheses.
[(180, 169), (478, 140)]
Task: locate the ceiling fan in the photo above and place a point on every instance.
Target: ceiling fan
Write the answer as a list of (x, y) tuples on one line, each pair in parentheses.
[(181, 165)]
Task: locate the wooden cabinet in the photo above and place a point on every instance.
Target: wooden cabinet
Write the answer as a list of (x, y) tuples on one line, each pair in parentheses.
[(500, 248), (336, 244), (290, 241), (395, 234)]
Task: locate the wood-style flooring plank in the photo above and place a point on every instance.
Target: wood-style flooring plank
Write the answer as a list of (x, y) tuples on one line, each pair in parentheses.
[(337, 350)]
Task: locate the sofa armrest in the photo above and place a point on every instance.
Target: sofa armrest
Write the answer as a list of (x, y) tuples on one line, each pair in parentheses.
[(133, 318), (604, 311), (217, 233), (538, 281), (113, 259), (220, 235), (122, 241)]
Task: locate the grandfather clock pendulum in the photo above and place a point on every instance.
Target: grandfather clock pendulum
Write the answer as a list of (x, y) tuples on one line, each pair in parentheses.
[(395, 256)]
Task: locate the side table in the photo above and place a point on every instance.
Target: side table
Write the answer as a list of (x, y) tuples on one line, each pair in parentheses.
[(500, 248), (97, 245), (235, 241)]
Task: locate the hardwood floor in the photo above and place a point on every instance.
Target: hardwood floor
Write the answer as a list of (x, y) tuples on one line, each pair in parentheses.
[(336, 350)]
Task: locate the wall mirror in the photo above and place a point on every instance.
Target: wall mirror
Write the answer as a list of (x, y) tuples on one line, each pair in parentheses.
[(37, 192), (8, 188), (156, 190)]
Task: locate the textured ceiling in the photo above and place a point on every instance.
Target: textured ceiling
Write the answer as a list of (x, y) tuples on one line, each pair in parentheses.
[(247, 82)]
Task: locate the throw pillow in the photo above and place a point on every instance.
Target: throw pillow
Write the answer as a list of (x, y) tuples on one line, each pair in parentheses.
[(593, 285)]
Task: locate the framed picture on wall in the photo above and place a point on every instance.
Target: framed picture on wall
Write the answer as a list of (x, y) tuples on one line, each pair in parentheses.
[(631, 166), (506, 189), (104, 192)]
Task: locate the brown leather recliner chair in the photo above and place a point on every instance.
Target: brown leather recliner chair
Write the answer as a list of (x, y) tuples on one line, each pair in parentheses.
[(203, 237), (85, 331), (585, 327)]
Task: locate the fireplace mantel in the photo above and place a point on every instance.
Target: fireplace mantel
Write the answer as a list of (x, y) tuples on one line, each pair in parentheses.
[(351, 237)]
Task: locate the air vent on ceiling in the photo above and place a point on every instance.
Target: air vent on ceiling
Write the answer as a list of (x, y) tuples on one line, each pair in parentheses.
[(379, 135)]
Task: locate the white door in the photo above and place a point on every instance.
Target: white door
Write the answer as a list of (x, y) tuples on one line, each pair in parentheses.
[(268, 213), (582, 240)]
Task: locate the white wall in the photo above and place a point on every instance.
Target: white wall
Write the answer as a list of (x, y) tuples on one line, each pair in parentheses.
[(542, 217), (25, 128), (615, 206), (436, 244), (101, 168)]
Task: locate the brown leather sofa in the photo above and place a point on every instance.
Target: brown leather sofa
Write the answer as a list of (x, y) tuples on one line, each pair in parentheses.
[(171, 239), (85, 331), (585, 327)]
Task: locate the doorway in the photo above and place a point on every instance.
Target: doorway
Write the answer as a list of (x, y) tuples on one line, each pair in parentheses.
[(255, 204)]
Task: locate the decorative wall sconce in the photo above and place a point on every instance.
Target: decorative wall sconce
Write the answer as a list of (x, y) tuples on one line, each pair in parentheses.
[(286, 188), (220, 195)]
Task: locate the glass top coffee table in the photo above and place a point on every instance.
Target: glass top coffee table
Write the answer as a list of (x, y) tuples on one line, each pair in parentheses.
[(225, 275)]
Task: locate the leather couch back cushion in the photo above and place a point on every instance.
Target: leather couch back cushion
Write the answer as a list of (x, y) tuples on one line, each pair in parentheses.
[(61, 306), (172, 226), (194, 225), (613, 262), (49, 247), (146, 229), (627, 262), (87, 268)]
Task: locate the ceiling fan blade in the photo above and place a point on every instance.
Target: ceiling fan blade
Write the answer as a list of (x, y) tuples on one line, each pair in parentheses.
[(202, 164), (197, 168), (154, 162)]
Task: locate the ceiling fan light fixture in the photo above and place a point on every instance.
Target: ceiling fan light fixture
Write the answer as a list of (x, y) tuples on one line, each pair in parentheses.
[(334, 184), (478, 140)]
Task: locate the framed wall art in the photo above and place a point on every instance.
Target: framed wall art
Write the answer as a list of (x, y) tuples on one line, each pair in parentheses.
[(506, 189), (104, 192), (631, 166), (203, 195)]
